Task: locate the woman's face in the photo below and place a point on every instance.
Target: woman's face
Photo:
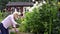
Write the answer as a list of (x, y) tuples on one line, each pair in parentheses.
[(16, 16)]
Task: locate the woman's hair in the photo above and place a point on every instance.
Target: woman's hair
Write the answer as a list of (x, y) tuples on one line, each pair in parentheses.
[(16, 13)]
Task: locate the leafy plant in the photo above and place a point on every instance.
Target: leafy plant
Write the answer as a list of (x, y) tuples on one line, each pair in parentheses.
[(42, 20)]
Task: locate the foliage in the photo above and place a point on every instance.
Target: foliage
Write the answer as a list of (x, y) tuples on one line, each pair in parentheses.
[(12, 32), (3, 4), (2, 15), (43, 20)]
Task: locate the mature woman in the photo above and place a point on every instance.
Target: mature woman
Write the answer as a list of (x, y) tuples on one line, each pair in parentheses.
[(9, 21)]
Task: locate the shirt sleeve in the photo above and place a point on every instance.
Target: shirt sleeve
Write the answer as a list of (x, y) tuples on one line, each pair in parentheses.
[(13, 21)]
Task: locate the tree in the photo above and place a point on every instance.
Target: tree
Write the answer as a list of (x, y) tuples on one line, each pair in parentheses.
[(3, 4)]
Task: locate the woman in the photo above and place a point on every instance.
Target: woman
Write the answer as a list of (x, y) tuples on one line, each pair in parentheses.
[(9, 21)]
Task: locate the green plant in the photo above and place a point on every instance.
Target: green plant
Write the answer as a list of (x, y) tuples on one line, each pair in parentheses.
[(12, 32), (42, 21)]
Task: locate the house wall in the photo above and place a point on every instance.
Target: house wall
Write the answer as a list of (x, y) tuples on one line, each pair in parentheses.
[(25, 9), (22, 10)]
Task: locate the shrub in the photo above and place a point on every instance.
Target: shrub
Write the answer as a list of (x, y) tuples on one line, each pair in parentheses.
[(42, 21)]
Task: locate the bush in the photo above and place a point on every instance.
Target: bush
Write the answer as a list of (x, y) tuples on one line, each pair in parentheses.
[(42, 21)]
